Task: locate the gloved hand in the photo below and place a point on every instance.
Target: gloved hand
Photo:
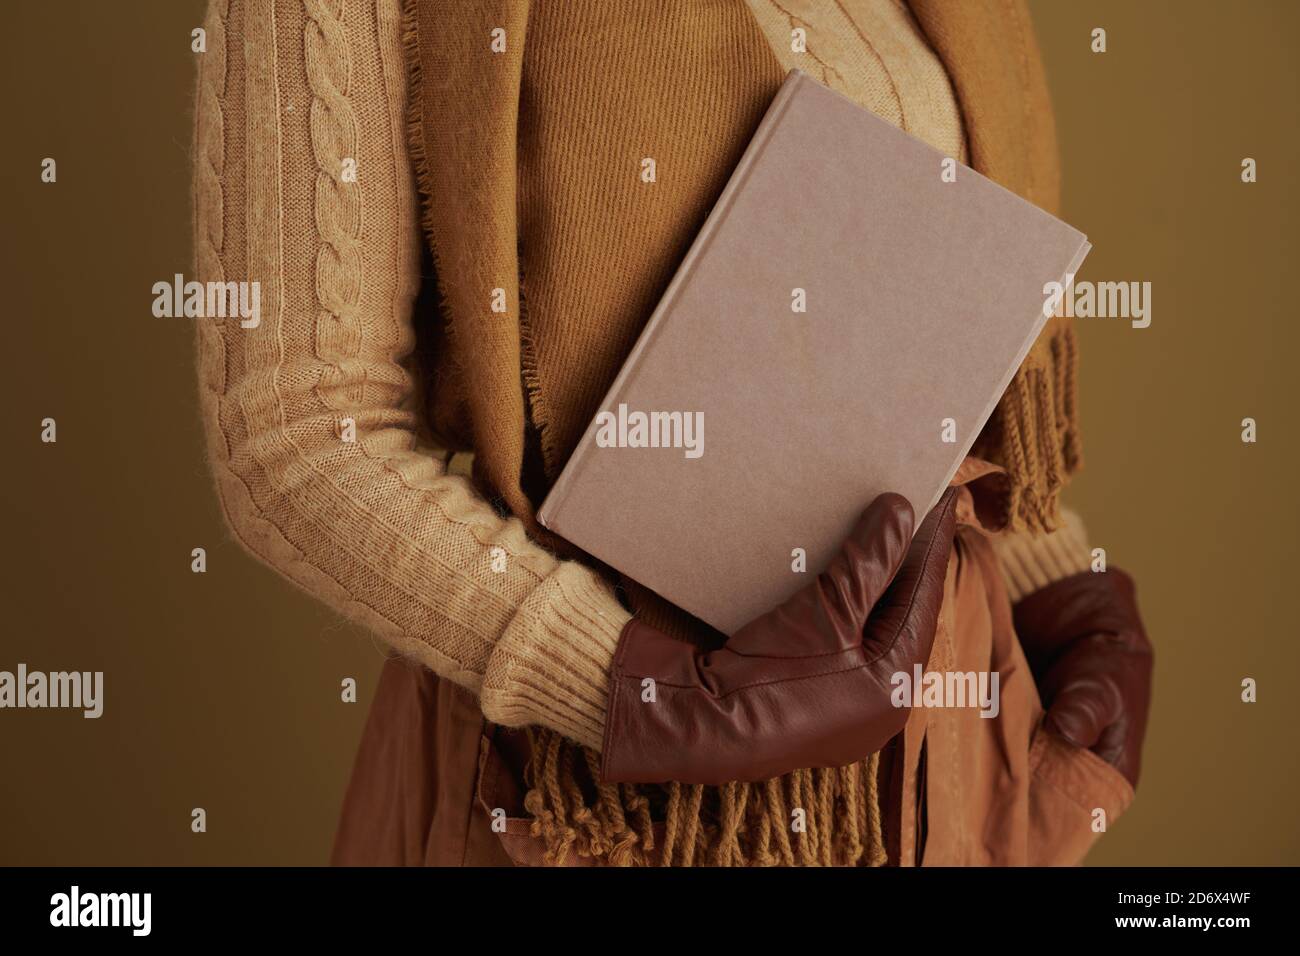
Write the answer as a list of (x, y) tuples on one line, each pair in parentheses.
[(805, 685), (1092, 662)]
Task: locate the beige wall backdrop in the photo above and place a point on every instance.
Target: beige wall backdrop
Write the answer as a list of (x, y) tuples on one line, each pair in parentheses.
[(222, 689)]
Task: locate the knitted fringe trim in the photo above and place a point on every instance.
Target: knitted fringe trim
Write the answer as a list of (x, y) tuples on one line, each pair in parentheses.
[(736, 824), (415, 144), (1034, 431)]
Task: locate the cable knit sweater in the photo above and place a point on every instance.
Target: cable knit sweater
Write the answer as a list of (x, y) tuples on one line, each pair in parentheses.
[(303, 182)]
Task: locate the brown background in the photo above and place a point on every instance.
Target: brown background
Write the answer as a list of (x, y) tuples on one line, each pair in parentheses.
[(222, 690)]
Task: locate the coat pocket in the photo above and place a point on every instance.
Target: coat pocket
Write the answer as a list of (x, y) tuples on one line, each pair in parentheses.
[(1074, 796), (498, 795)]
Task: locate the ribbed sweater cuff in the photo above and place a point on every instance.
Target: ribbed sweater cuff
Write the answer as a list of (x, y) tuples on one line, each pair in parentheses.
[(551, 666), (1033, 561)]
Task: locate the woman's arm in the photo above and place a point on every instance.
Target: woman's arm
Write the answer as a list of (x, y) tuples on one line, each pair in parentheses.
[(292, 96)]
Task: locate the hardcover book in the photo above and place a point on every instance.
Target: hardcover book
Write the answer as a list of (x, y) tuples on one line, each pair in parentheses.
[(843, 325)]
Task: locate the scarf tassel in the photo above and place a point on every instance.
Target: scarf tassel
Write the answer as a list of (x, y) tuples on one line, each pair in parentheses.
[(820, 817)]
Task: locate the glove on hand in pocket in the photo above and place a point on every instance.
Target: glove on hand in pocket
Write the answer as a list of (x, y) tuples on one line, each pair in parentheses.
[(1092, 662)]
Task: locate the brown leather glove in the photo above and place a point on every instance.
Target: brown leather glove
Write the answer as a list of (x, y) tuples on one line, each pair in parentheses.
[(1092, 662), (805, 685)]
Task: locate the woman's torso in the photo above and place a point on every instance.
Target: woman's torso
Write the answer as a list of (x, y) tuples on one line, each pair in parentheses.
[(604, 88)]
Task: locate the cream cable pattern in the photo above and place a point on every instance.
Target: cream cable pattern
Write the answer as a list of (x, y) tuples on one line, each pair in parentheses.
[(338, 204)]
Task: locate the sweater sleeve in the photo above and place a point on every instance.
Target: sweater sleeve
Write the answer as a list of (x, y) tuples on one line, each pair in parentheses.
[(1032, 560), (303, 186)]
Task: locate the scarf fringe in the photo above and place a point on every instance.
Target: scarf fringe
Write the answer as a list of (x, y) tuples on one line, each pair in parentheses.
[(1034, 431), (415, 141), (736, 824)]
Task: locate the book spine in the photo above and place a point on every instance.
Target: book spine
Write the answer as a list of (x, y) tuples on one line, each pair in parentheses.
[(550, 515)]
